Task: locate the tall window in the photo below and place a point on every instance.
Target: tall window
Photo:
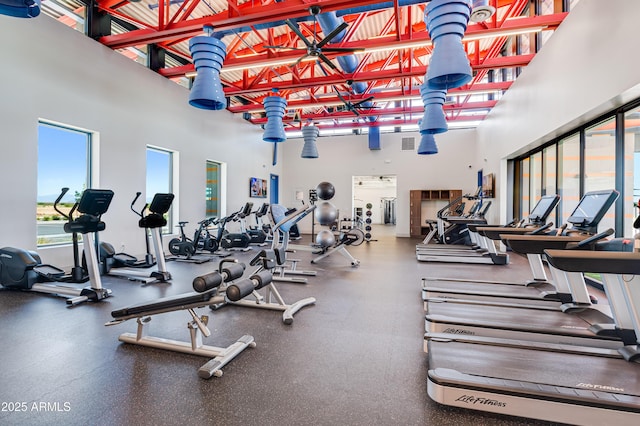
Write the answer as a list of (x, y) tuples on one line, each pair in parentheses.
[(569, 175), (631, 169), (160, 178), (535, 187), (213, 189), (549, 183), (64, 161), (524, 193), (600, 163)]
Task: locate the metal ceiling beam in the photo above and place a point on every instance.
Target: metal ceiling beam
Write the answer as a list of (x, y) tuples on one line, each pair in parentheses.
[(247, 14), (416, 110), (294, 126), (391, 95), (266, 86), (386, 42)]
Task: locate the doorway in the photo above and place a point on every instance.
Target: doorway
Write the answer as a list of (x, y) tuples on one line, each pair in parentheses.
[(374, 201)]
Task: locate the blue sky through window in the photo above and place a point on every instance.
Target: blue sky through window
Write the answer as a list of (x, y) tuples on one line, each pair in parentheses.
[(158, 172), (62, 162)]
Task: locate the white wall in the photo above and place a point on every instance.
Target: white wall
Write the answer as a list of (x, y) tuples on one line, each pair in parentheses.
[(341, 157), (53, 72), (587, 68)]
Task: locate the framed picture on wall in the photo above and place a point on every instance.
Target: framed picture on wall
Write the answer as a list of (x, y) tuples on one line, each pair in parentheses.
[(257, 188), (488, 185)]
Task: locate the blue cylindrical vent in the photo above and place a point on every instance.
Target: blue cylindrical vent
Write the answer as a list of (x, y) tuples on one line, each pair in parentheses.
[(274, 129), (433, 120), (20, 8), (310, 149), (427, 145), (446, 22), (208, 54)]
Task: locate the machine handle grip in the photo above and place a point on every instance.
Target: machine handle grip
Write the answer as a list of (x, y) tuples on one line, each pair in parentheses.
[(588, 241)]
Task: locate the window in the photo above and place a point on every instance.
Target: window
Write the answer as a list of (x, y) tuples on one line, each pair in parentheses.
[(600, 163), (535, 187), (64, 161), (524, 193), (160, 178), (213, 189), (549, 183), (631, 169), (569, 175)]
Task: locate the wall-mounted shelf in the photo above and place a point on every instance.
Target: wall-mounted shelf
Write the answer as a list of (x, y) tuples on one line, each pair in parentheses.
[(418, 197)]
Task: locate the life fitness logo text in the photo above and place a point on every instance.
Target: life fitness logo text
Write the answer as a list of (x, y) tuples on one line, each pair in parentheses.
[(469, 399)]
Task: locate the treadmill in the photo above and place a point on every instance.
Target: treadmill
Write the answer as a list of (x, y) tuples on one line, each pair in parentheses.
[(483, 255), (483, 236), (584, 222), (547, 381), (583, 324)]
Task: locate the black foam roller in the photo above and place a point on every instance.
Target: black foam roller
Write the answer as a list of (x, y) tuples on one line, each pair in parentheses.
[(262, 278), (237, 291), (233, 271), (207, 282)]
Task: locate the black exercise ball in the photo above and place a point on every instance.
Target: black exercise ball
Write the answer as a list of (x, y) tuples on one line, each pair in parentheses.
[(325, 190), (369, 205)]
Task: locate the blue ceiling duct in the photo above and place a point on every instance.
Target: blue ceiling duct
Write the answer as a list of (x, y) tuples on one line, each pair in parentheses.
[(433, 120), (275, 107), (208, 54), (427, 145), (20, 8), (449, 65), (310, 149)]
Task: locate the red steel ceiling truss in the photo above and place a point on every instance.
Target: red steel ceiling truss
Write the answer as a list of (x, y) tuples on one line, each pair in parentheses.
[(309, 87)]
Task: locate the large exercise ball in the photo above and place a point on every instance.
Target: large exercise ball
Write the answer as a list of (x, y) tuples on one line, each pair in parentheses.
[(325, 190), (325, 238), (326, 213)]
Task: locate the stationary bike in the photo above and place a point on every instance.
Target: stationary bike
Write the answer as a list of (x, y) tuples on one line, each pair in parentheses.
[(202, 240), (257, 234), (234, 240)]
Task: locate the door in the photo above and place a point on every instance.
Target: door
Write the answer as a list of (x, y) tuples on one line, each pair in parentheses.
[(273, 199)]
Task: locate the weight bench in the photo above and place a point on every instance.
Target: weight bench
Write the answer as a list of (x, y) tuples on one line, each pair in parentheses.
[(263, 278), (206, 293)]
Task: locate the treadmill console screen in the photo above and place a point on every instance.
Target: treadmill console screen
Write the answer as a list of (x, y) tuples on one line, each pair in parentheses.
[(592, 208), (543, 208)]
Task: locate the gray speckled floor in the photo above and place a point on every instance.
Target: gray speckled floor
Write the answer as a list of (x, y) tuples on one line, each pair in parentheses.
[(355, 358)]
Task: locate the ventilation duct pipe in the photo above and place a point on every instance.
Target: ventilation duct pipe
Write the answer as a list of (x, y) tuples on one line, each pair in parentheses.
[(208, 54), (20, 8)]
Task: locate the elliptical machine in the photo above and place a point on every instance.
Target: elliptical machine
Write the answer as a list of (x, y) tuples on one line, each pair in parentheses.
[(23, 269), (126, 266)]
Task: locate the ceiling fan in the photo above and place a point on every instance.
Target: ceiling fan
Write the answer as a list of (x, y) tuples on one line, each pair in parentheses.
[(354, 106), (316, 48)]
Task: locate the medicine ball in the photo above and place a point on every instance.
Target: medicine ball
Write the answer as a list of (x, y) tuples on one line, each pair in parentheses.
[(325, 191)]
